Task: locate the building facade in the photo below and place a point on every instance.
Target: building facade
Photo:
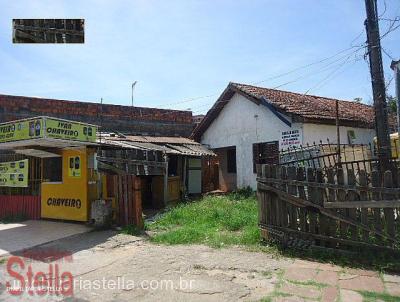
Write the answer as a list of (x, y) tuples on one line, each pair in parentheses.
[(248, 119)]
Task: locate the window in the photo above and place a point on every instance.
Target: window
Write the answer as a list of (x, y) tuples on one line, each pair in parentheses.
[(265, 153), (52, 169), (351, 135), (173, 165), (231, 160)]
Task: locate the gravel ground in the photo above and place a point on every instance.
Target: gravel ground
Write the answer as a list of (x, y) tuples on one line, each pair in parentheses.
[(107, 266)]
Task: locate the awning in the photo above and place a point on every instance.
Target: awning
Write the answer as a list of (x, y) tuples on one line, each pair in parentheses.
[(37, 153)]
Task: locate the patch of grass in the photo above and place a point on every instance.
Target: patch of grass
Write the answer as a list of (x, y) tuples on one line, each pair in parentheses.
[(3, 260), (13, 218), (373, 296), (309, 283), (131, 230), (216, 221)]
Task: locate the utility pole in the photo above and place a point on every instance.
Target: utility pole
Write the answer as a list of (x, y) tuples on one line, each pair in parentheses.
[(396, 67), (133, 87), (378, 84)]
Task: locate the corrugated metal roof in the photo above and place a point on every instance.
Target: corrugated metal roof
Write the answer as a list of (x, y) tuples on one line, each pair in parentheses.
[(177, 145), (160, 139)]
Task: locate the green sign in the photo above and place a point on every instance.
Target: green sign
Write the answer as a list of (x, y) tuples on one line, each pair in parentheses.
[(70, 130), (46, 127), (14, 173), (21, 130)]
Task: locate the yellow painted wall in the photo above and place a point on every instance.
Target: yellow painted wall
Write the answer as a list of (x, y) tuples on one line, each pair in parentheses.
[(68, 200)]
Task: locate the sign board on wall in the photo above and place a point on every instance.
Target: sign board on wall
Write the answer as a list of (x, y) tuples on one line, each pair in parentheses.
[(290, 139), (20, 130), (69, 130), (14, 173), (46, 127)]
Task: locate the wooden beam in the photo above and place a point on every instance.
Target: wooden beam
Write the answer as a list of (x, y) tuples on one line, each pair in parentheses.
[(363, 204)]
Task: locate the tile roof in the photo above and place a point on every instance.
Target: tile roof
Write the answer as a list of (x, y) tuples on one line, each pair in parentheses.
[(310, 106), (302, 108)]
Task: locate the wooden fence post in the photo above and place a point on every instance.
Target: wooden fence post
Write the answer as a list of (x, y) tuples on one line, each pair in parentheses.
[(362, 175), (375, 179), (352, 196), (302, 195), (311, 198), (292, 190), (389, 214), (284, 204)]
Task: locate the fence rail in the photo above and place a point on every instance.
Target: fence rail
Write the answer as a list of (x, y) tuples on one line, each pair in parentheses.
[(331, 208)]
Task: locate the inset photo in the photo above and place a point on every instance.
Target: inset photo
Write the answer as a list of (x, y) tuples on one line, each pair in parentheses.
[(48, 30)]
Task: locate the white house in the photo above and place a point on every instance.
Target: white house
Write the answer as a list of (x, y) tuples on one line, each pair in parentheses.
[(246, 117)]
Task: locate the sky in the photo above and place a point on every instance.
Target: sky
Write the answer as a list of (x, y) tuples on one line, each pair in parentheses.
[(183, 53)]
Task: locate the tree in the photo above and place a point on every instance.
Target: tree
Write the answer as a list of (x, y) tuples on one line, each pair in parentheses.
[(391, 104)]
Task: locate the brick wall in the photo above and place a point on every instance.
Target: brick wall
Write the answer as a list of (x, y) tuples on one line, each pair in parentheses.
[(136, 120)]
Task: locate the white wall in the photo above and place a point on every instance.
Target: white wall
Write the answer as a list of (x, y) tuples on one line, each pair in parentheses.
[(236, 125), (316, 132)]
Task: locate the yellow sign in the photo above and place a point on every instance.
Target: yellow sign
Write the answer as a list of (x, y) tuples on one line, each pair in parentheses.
[(74, 168), (67, 200), (14, 173), (20, 130), (46, 127), (70, 130)]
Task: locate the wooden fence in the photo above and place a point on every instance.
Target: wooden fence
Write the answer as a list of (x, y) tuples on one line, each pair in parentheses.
[(330, 208), (126, 191)]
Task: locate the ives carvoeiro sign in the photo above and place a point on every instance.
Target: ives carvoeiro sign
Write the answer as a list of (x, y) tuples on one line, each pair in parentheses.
[(46, 127)]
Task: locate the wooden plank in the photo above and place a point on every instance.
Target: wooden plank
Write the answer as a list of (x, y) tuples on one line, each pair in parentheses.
[(332, 239), (292, 190), (362, 178), (330, 173), (389, 212), (305, 203), (334, 186), (283, 203), (323, 222), (302, 195), (363, 204), (341, 196), (274, 199), (352, 196), (311, 192), (376, 182), (126, 206)]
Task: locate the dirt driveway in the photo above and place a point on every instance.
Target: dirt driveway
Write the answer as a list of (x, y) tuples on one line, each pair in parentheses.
[(107, 266)]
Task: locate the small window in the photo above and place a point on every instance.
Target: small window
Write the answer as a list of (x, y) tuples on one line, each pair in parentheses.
[(351, 135), (173, 165), (231, 160), (265, 153), (52, 169)]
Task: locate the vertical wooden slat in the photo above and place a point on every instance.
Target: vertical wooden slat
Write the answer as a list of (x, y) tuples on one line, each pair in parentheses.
[(283, 207), (311, 196), (302, 195), (363, 196), (341, 196), (274, 199), (375, 179), (323, 222), (292, 190), (389, 213), (352, 196)]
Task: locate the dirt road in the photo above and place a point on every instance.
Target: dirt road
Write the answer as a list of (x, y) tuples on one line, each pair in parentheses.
[(107, 266)]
